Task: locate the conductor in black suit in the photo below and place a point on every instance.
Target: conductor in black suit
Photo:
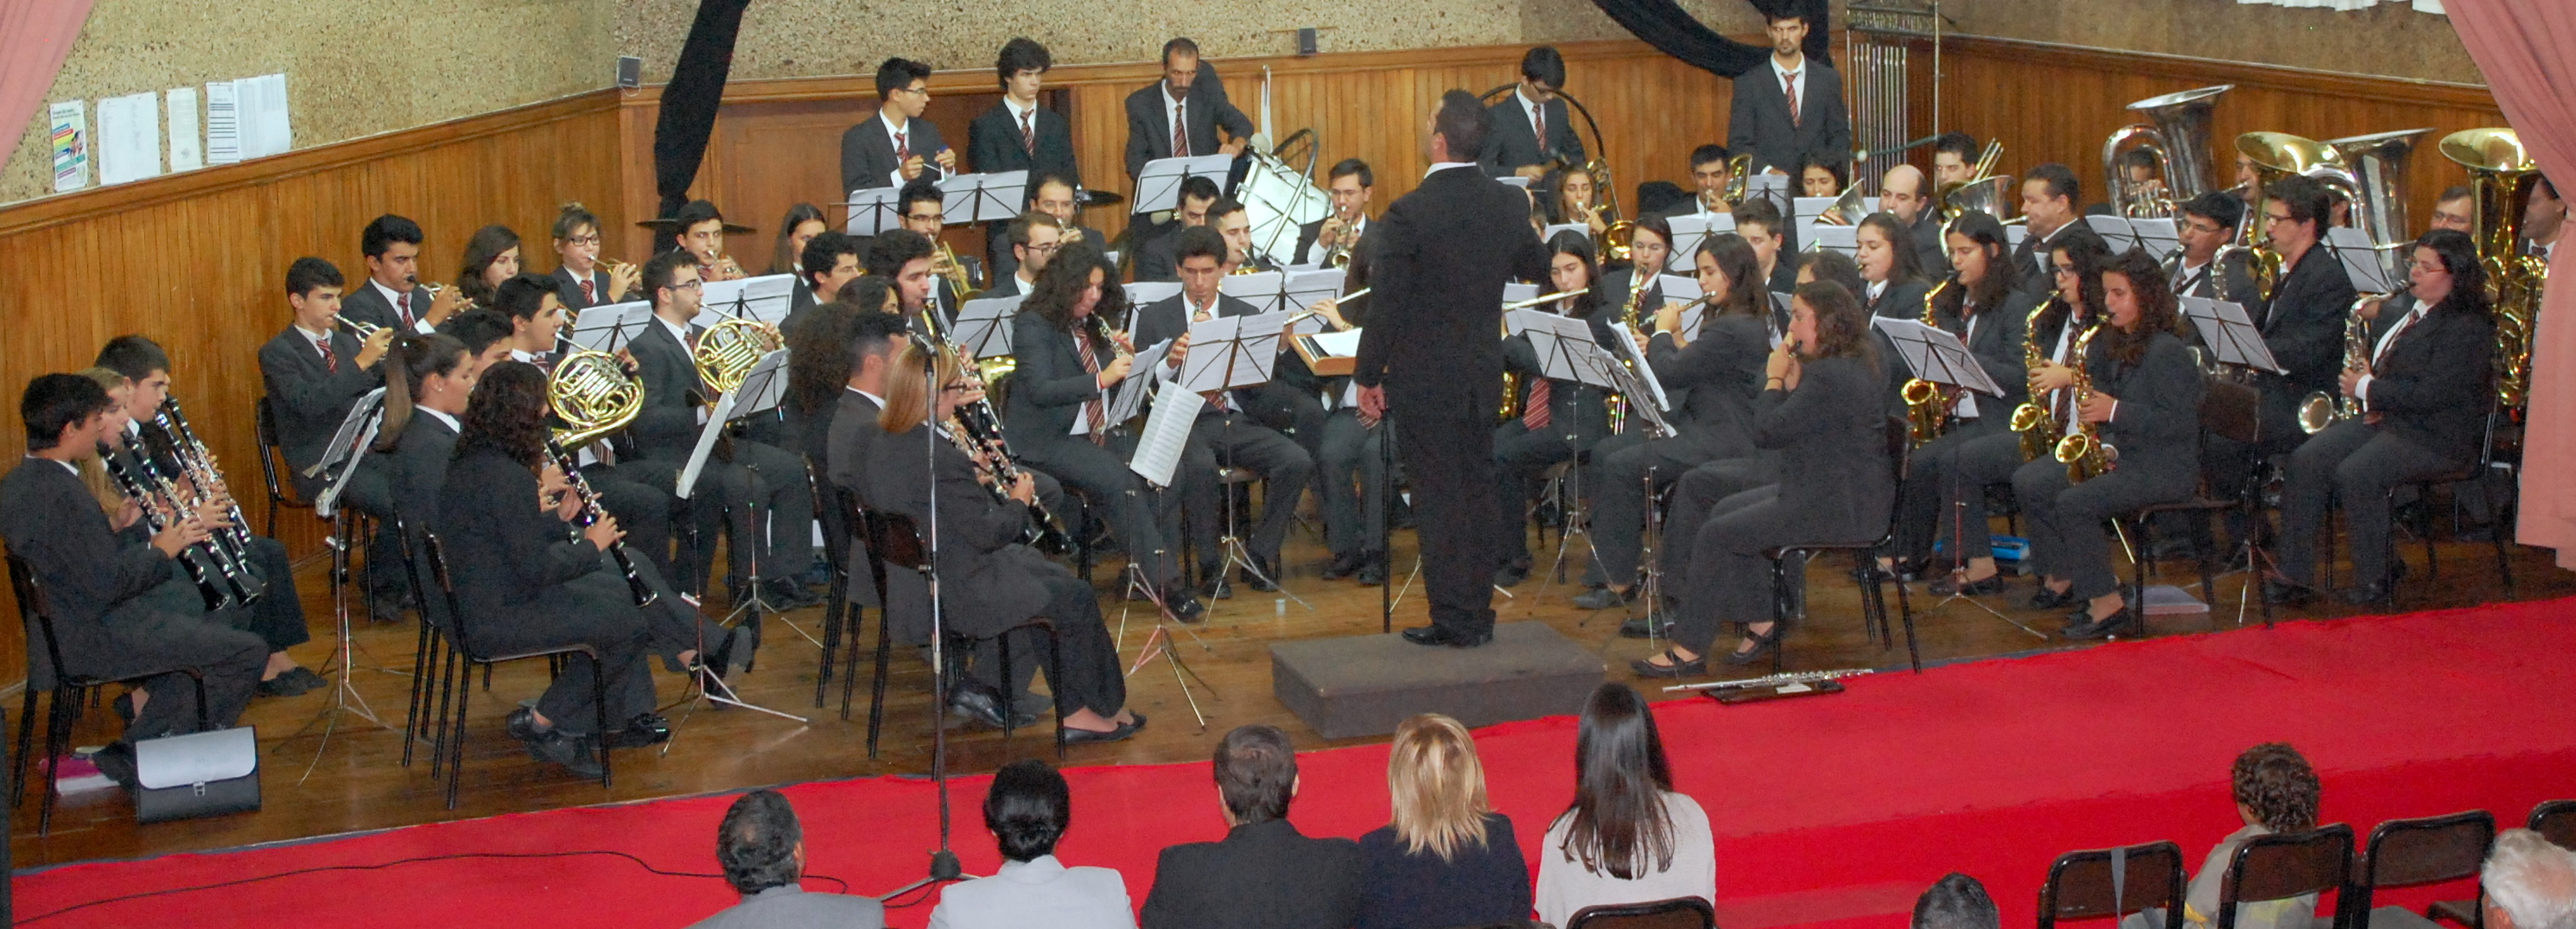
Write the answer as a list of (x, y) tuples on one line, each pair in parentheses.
[(2423, 394), (1439, 259), (1264, 874), (1178, 116), (1764, 123), (1017, 134), (1531, 128), (898, 145)]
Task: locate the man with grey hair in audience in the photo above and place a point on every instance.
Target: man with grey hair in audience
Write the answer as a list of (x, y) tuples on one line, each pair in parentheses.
[(1956, 901), (762, 850), (2529, 883)]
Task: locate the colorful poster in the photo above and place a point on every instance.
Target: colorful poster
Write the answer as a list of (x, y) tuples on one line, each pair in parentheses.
[(70, 137)]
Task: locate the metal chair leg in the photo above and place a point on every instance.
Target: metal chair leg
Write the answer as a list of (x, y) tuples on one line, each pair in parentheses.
[(26, 739), (599, 706), (456, 746), (876, 703)]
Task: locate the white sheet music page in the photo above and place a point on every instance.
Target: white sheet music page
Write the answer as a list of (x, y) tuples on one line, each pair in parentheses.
[(1166, 431)]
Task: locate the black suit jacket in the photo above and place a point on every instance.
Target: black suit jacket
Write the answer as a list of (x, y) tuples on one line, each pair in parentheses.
[(1996, 344), (1439, 259), (1515, 142), (1757, 124), (1307, 253), (2033, 274), (568, 288), (989, 582), (1168, 319), (416, 470), (1049, 386), (867, 152), (1901, 300), (1722, 370), (2157, 425), (507, 554), (49, 518), (2431, 385), (1157, 253), (850, 442), (993, 144), (1149, 120), (2303, 326), (1931, 251), (1831, 433), (361, 302), (308, 400), (668, 426), (1261, 876)]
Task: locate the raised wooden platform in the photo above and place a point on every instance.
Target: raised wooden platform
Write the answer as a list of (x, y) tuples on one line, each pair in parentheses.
[(1367, 684)]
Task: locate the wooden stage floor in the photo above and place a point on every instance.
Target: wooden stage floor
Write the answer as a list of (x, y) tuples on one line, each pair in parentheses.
[(358, 782)]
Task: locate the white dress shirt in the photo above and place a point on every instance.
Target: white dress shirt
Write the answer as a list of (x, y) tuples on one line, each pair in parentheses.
[(1037, 892), (891, 128), (2361, 388)]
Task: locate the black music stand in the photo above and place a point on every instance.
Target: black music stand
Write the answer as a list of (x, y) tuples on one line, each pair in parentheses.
[(761, 389), (1941, 357), (1157, 455), (348, 444), (1228, 353)]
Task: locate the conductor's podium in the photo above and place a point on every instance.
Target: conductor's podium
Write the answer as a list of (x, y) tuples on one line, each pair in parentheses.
[(1365, 685)]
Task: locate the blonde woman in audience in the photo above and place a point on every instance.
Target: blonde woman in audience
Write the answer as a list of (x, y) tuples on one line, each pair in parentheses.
[(1628, 838), (1448, 859)]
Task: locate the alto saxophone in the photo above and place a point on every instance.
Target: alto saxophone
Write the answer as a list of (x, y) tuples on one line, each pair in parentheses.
[(1927, 404), (2083, 452), (2322, 409), (2033, 419)]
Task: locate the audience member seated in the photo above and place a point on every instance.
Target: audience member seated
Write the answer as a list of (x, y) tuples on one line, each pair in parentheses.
[(2276, 792), (1027, 810), (1448, 859), (2529, 883), (763, 853), (1956, 901), (1628, 838), (1264, 874)]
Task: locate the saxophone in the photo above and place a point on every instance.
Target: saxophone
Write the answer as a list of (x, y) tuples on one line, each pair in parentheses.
[(2083, 452), (2321, 409), (2033, 418), (1927, 404)]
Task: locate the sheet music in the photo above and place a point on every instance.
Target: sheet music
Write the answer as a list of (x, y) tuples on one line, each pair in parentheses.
[(2230, 333), (1148, 293), (1688, 231), (1263, 289), (1307, 288), (763, 386), (1844, 239), (766, 298), (1768, 186), (2160, 237), (609, 327), (1231, 351), (1936, 355), (1128, 396), (1159, 450), (872, 211), (1632, 384), (707, 434), (2118, 231), (350, 425), (1549, 234), (987, 197), (1158, 184), (1517, 292), (2363, 262), (984, 326), (1514, 180), (327, 503), (1645, 373), (1560, 342), (1811, 207)]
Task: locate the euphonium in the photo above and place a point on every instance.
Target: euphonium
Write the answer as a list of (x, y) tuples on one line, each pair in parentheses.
[(2501, 177), (2033, 419), (1739, 174), (2322, 409), (1927, 404), (724, 354), (2083, 452)]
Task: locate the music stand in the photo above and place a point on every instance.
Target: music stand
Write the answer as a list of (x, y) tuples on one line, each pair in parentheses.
[(1131, 392), (2229, 333), (982, 198), (761, 389), (766, 298), (984, 326), (1938, 356), (872, 210), (1689, 231), (1229, 353), (1158, 184), (1304, 288), (1567, 353), (1844, 239), (1157, 455), (1267, 291), (348, 444), (1549, 234), (2120, 232), (2367, 263), (1650, 388), (610, 327), (1765, 185), (2160, 236), (1148, 293)]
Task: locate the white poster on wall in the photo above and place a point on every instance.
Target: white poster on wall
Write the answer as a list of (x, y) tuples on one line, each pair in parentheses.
[(187, 139), (129, 138)]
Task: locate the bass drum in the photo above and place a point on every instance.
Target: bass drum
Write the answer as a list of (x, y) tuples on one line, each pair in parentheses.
[(1279, 199)]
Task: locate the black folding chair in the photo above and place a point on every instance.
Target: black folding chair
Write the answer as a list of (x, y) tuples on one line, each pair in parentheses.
[(465, 658), (2227, 410), (1873, 601), (2284, 866), (272, 456), (893, 539), (830, 511), (2114, 882), (1676, 913), (430, 651), (71, 692), (2409, 852), (2555, 821)]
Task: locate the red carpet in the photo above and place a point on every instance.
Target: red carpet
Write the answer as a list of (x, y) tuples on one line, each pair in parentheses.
[(1832, 810)]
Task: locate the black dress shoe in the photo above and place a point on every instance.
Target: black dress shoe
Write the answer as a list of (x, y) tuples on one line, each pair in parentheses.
[(1182, 601), (2126, 622), (279, 686), (1373, 572), (1679, 668), (1956, 585), (2046, 599), (982, 707), (1443, 635), (1345, 565), (522, 724), (787, 593), (305, 676), (1603, 598), (573, 752), (645, 730), (1263, 576), (1218, 589), (1764, 646), (1511, 575), (2285, 593), (2368, 595), (116, 760), (1644, 627), (1124, 732)]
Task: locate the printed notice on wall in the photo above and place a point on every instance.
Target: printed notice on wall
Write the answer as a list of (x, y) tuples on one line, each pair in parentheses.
[(247, 119), (223, 124), (187, 139), (69, 135), (129, 138)]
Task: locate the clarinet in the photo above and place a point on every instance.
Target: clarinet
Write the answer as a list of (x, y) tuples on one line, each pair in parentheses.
[(194, 454), (590, 510), (977, 430), (213, 585), (234, 563)]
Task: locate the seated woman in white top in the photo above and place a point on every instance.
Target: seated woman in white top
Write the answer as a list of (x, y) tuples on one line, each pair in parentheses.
[(1027, 811), (1628, 838)]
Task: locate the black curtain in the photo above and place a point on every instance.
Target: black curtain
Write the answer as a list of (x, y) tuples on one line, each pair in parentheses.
[(1673, 31), (689, 102)]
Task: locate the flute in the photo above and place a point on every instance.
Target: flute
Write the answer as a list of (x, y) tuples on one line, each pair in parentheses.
[(1775, 680)]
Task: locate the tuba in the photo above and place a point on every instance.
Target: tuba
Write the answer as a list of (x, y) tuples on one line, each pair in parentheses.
[(1927, 404), (2377, 163), (1847, 209), (2033, 419), (2179, 141), (2083, 452), (2501, 177), (724, 354), (2277, 155)]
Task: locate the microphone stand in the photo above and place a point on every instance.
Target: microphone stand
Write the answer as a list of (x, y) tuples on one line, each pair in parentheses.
[(943, 861)]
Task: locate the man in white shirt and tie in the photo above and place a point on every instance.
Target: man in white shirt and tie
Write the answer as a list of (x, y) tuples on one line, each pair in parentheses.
[(898, 145), (1531, 133), (1792, 109), (1178, 116)]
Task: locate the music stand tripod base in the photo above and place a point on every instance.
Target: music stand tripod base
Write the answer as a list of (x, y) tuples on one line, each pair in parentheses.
[(344, 694), (1160, 641)]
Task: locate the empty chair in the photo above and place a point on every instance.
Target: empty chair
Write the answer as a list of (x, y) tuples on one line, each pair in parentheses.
[(2407, 852), (2555, 821)]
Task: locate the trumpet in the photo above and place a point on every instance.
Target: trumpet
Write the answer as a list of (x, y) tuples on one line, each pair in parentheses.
[(944, 263), (363, 330), (463, 303)]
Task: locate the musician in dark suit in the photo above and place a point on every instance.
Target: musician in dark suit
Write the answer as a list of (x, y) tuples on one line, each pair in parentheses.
[(314, 373), (1760, 223), (1350, 183), (1224, 433), (1067, 367), (1033, 239), (582, 279), (1820, 408), (1178, 116), (1154, 245), (2424, 397), (1560, 419), (2048, 202), (392, 296), (95, 583), (1018, 134), (1432, 358), (1959, 471), (1056, 195), (2208, 223), (1984, 310), (830, 261), (2144, 400), (989, 581), (921, 205), (666, 431), (898, 145), (2302, 325), (1516, 146), (1905, 194), (873, 339), (1762, 121), (1888, 262), (1264, 874)]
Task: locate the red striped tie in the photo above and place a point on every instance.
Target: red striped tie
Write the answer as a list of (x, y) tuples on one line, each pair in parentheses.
[(1537, 416)]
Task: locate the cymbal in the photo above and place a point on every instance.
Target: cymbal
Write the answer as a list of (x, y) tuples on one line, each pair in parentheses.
[(672, 226)]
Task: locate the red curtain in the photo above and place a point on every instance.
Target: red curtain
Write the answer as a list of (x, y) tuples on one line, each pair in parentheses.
[(35, 37), (2521, 46)]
